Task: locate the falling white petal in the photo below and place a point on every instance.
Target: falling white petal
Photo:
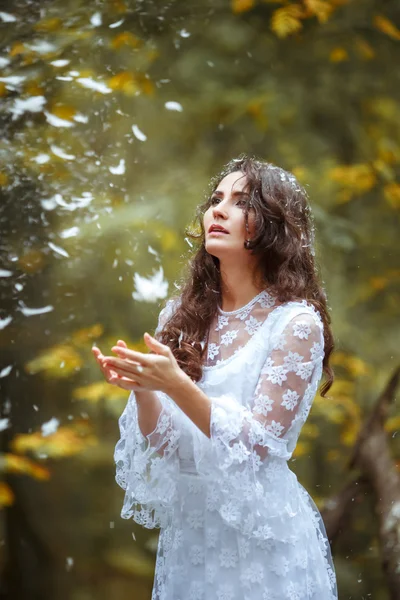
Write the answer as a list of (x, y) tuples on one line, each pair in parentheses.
[(120, 169), (48, 203), (5, 273), (67, 233), (12, 81), (70, 562), (116, 24), (4, 424), (97, 86), (32, 104), (57, 122), (139, 134), (173, 106), (29, 312), (60, 153), (6, 371), (80, 118), (60, 62), (5, 322), (96, 19), (76, 202), (42, 47), (50, 427), (183, 33), (4, 62), (58, 249), (7, 17), (152, 251), (152, 288), (41, 158)]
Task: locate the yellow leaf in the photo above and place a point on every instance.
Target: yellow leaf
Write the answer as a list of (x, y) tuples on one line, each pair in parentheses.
[(389, 153), (384, 107), (379, 283), (6, 495), (131, 83), (32, 88), (355, 365), (364, 49), (124, 82), (310, 430), (50, 24), (338, 55), (386, 26), (18, 48), (384, 169), (301, 173), (32, 262), (96, 391), (3, 89), (392, 194), (24, 466), (125, 38), (63, 111), (240, 6), (82, 336), (301, 449), (57, 361), (349, 433), (3, 179), (286, 20), (255, 108), (355, 179), (333, 455), (320, 8), (392, 424), (66, 441)]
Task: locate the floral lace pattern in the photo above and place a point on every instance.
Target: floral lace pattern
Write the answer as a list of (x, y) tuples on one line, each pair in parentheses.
[(235, 522)]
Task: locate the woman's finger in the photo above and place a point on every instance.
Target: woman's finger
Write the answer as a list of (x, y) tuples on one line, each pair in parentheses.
[(105, 369), (127, 383), (122, 363), (126, 373)]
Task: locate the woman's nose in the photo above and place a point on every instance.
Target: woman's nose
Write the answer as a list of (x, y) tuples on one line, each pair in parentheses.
[(218, 210)]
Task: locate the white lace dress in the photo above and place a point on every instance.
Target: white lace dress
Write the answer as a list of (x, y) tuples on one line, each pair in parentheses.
[(235, 522)]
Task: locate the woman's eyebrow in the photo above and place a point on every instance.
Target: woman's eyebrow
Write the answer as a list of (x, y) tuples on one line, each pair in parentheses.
[(234, 194)]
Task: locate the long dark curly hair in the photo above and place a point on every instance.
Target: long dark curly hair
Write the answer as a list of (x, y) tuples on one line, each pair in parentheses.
[(284, 242)]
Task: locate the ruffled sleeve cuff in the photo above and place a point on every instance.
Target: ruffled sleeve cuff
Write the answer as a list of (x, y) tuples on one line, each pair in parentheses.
[(147, 467)]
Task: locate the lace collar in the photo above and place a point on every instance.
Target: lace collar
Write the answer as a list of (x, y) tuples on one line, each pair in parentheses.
[(264, 298)]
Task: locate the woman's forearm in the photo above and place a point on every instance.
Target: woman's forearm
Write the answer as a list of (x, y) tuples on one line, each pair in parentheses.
[(149, 408)]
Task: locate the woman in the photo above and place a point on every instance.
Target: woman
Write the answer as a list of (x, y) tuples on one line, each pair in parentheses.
[(217, 405)]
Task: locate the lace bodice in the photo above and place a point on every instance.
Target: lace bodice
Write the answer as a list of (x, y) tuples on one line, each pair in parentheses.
[(281, 343), (230, 331)]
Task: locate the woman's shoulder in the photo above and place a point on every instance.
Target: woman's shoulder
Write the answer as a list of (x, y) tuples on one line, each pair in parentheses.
[(296, 311)]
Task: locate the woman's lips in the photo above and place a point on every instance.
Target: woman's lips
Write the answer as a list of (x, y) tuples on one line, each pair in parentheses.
[(216, 232)]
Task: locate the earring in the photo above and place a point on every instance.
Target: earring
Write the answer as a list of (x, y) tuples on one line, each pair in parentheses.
[(247, 243)]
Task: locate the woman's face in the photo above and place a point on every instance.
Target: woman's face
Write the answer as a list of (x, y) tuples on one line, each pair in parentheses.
[(227, 210)]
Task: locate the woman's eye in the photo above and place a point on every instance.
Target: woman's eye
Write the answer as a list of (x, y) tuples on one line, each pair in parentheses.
[(239, 202)]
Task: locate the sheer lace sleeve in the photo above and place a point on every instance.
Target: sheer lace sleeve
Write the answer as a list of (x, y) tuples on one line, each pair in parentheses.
[(147, 467), (246, 440)]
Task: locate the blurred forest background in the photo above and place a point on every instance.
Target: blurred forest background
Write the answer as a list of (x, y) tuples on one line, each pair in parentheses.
[(114, 115)]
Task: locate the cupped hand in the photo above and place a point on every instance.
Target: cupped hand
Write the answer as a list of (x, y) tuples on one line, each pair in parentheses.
[(158, 371), (110, 373)]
